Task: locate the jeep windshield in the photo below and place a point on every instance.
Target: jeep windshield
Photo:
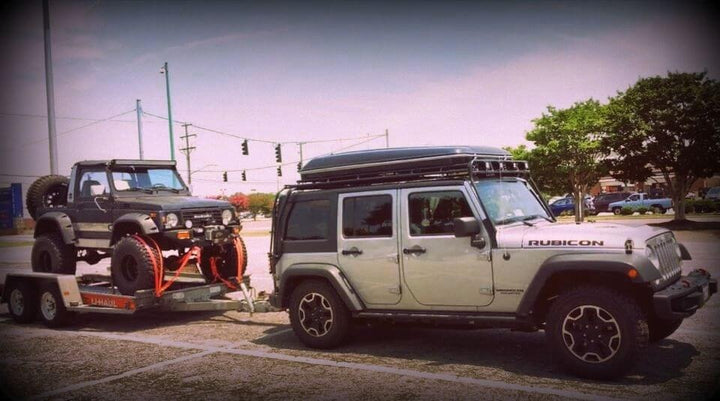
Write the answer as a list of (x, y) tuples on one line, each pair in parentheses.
[(510, 201), (147, 179)]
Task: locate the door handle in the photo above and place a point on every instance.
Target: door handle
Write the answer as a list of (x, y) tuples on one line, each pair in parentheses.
[(416, 250), (352, 251)]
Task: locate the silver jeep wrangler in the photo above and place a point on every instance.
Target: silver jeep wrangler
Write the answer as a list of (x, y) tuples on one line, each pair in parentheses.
[(459, 236)]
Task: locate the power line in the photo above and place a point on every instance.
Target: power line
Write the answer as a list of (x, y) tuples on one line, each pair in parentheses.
[(60, 118)]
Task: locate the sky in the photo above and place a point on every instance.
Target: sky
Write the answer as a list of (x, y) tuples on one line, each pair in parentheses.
[(428, 72)]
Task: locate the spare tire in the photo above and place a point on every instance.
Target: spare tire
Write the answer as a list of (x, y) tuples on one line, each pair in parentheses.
[(46, 192)]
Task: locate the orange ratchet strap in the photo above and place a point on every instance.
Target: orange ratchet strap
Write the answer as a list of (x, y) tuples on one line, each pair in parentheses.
[(158, 267), (240, 263)]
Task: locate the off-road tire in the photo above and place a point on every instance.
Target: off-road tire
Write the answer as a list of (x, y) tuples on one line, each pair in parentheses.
[(50, 254), (661, 328), (312, 303), (52, 309), (615, 316), (132, 266), (22, 301), (227, 264), (47, 191)]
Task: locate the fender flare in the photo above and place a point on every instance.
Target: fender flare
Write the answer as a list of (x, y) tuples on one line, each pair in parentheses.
[(146, 223), (58, 219), (325, 271), (586, 263)]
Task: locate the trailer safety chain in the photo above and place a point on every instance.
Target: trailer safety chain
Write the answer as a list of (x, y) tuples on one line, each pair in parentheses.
[(159, 269), (240, 262)]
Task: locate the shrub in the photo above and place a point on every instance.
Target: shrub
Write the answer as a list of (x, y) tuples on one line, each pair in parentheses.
[(690, 206), (642, 210), (626, 211), (566, 213)]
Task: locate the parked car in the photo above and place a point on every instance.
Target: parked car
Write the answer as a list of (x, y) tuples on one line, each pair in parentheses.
[(713, 194), (639, 199), (602, 201), (568, 204)]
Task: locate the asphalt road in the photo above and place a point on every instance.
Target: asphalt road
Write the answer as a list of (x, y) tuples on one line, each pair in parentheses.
[(234, 355)]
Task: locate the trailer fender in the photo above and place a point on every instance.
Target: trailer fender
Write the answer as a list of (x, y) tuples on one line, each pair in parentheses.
[(140, 222), (55, 222), (296, 273)]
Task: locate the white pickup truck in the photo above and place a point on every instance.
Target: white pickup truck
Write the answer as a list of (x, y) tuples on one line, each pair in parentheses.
[(640, 199)]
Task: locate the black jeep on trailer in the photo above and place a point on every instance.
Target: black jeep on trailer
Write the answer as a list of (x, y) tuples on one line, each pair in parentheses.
[(133, 211)]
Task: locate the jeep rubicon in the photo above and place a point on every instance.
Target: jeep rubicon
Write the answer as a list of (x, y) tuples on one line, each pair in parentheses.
[(460, 236), (140, 213)]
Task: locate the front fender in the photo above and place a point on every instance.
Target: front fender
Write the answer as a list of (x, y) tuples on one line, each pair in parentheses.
[(143, 221), (55, 221), (619, 263), (325, 271)]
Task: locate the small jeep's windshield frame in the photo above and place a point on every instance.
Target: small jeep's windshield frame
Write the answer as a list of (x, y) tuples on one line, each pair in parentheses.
[(148, 179)]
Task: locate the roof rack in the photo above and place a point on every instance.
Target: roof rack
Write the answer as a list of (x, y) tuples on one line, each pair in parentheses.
[(406, 165)]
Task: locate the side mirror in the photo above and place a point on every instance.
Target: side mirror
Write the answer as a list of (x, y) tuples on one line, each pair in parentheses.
[(97, 190), (466, 226)]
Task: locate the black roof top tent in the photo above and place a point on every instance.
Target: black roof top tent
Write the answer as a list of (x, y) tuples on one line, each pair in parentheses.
[(401, 164)]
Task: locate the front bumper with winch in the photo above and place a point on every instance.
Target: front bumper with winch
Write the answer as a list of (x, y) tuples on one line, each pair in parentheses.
[(685, 296)]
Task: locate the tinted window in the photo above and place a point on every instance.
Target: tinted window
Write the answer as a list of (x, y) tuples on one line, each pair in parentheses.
[(308, 220), (432, 213), (90, 179), (367, 216)]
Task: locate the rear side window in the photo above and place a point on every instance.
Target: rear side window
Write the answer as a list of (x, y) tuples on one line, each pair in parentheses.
[(367, 216), (308, 220)]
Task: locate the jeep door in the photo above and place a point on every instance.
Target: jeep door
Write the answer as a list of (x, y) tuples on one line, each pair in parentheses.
[(93, 214), (368, 245), (438, 268)]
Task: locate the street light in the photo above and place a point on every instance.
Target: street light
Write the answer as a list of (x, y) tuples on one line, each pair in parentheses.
[(164, 70)]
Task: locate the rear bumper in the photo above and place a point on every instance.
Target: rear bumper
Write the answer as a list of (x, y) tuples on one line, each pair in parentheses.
[(685, 296)]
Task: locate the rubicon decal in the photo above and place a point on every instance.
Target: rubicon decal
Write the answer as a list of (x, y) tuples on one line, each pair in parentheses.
[(566, 242)]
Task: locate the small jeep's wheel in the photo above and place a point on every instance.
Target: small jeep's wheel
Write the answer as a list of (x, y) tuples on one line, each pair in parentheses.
[(46, 192), (227, 262), (52, 309), (50, 254), (132, 266), (616, 210), (661, 328), (596, 332), (22, 301), (318, 316)]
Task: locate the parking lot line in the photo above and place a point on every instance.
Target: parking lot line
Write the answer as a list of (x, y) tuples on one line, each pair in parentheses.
[(208, 349)]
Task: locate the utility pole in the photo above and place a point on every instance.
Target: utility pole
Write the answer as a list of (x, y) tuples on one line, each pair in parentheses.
[(387, 138), (164, 70), (138, 109), (49, 89), (301, 155), (187, 149)]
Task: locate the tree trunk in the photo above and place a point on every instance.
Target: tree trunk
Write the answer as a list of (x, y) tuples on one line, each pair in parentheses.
[(679, 190), (579, 205)]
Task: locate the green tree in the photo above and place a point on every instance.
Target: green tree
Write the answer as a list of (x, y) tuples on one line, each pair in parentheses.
[(568, 151), (669, 123), (261, 203)]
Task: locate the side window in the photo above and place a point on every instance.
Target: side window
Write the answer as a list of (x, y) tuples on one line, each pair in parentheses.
[(634, 197), (90, 179), (308, 220), (432, 213), (367, 216)]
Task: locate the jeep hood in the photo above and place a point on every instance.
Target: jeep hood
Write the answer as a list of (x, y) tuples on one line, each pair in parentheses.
[(171, 203), (585, 235)]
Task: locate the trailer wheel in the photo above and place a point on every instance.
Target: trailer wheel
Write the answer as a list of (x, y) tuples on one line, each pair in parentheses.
[(227, 264), (132, 266), (47, 192), (50, 254), (52, 309), (22, 301)]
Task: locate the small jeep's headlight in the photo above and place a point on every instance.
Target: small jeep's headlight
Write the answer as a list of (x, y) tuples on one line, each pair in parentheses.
[(652, 256), (226, 216), (171, 220)]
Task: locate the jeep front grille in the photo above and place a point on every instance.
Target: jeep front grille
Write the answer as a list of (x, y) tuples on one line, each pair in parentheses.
[(202, 217), (664, 247)]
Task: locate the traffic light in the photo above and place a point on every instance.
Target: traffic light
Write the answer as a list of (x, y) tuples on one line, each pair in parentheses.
[(279, 171), (278, 154), (244, 177), (245, 150), (225, 176), (299, 166)]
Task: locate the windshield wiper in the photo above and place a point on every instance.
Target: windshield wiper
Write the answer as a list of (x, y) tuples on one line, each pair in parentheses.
[(135, 189), (167, 189), (535, 216)]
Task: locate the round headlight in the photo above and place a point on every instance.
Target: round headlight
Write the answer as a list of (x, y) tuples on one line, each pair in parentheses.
[(226, 216), (171, 220), (188, 223), (652, 256)]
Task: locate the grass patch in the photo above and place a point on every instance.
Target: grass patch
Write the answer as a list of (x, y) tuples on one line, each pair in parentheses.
[(254, 233), (15, 244), (688, 225)]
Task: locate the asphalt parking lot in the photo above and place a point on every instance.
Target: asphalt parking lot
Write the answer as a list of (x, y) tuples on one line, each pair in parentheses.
[(234, 355)]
